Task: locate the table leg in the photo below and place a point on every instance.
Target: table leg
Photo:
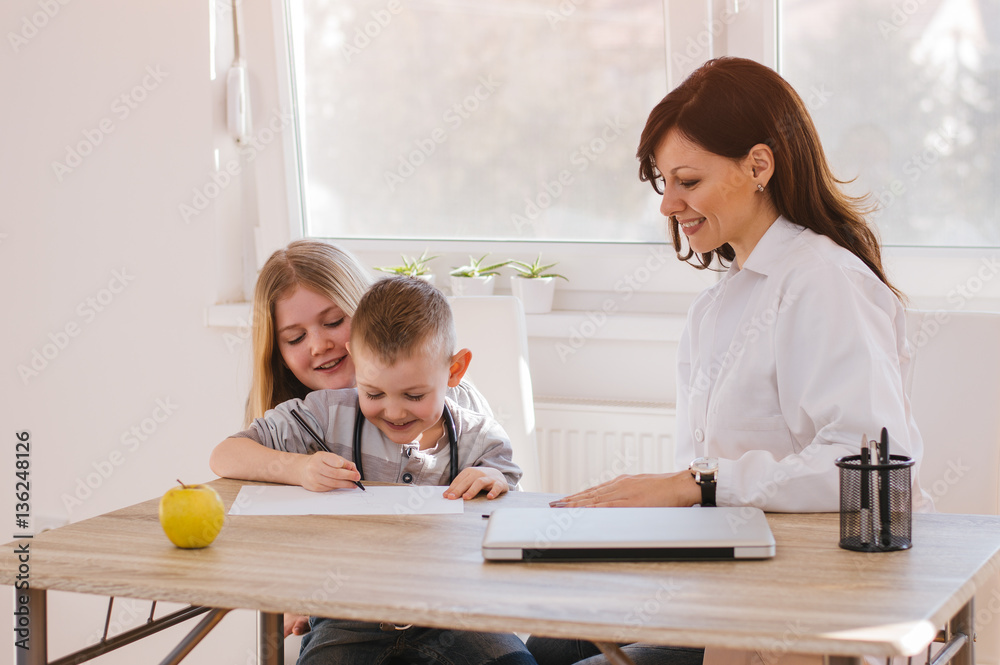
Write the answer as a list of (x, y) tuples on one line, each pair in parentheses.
[(270, 639), (33, 633), (193, 638), (613, 653), (963, 623)]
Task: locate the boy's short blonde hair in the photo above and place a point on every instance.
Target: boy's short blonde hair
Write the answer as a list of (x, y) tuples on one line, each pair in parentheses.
[(399, 317)]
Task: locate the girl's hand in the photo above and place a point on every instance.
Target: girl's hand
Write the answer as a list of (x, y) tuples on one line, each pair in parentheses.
[(473, 480), (324, 471), (296, 624), (663, 489)]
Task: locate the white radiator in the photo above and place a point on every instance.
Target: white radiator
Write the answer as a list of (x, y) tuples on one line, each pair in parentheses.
[(582, 443)]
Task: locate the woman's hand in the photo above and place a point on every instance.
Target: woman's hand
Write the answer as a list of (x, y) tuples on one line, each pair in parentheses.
[(473, 480), (296, 624), (662, 489), (324, 471)]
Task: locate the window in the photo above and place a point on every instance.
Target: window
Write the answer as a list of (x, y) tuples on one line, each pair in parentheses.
[(905, 97), (478, 119), (422, 121)]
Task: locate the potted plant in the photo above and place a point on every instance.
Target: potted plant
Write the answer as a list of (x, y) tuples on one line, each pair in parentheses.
[(412, 267), (475, 279), (534, 285)]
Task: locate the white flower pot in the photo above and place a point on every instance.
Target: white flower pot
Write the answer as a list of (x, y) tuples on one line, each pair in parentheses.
[(535, 293), (472, 286)]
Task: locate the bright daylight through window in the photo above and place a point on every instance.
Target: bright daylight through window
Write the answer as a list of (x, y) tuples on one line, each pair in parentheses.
[(518, 120), (906, 96), (479, 119)]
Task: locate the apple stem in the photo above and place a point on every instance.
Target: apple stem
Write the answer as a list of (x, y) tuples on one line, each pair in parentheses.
[(182, 484)]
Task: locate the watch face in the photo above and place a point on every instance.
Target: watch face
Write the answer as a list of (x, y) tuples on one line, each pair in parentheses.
[(705, 465)]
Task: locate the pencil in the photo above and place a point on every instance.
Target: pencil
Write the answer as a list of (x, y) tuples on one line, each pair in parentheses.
[(865, 492), (305, 426), (883, 499)]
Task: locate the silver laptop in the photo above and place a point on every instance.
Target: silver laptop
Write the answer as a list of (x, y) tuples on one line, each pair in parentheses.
[(627, 534)]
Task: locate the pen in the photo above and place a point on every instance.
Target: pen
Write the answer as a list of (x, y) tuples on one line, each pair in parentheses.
[(865, 491), (305, 426), (883, 499)]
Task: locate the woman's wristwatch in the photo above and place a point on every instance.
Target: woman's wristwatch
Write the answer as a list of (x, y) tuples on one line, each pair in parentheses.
[(704, 470)]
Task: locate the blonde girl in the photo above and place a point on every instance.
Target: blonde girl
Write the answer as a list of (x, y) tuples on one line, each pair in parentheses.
[(325, 270)]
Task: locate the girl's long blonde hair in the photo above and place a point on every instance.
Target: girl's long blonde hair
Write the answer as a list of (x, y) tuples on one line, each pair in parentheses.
[(328, 270)]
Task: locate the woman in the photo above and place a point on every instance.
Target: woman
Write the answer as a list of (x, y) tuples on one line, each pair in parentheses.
[(799, 350)]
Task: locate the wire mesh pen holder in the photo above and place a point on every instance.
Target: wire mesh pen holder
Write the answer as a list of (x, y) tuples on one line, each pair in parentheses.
[(876, 503)]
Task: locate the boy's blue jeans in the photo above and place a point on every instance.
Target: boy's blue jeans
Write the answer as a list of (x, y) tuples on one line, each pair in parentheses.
[(551, 651), (341, 642)]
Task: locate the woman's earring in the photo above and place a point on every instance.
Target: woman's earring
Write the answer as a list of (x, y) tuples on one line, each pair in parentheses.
[(760, 188)]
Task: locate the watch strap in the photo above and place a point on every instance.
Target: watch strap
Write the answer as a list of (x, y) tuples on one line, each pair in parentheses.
[(707, 491)]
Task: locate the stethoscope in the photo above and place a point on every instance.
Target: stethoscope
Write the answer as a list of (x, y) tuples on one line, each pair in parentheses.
[(449, 425)]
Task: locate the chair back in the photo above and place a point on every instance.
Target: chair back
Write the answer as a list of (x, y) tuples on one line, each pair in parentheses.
[(954, 388), (494, 329)]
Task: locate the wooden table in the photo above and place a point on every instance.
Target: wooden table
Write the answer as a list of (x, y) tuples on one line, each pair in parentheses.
[(812, 597)]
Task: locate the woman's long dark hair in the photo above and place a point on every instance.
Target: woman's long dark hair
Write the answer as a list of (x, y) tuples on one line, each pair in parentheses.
[(727, 106)]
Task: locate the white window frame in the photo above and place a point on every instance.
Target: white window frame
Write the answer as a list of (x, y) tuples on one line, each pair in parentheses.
[(695, 32)]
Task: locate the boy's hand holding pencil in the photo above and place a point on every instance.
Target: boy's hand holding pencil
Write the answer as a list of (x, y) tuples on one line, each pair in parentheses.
[(324, 471)]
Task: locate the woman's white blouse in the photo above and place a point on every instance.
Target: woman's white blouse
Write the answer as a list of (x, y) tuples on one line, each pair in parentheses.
[(784, 364)]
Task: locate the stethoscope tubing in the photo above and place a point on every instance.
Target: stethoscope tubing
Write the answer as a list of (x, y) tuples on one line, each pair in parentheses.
[(449, 426)]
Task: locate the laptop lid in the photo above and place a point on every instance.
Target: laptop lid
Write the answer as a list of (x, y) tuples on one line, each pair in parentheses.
[(628, 534)]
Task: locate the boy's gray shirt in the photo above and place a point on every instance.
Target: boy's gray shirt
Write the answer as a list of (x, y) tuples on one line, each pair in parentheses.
[(331, 413)]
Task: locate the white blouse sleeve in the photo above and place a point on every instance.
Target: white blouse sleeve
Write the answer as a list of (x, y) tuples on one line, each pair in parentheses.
[(836, 344)]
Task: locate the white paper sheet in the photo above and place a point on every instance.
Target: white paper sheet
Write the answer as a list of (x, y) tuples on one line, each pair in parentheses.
[(376, 500)]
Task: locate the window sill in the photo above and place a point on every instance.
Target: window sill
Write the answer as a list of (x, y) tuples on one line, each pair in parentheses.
[(627, 327), (559, 324)]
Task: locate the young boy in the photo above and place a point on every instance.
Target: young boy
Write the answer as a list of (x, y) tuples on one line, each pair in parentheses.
[(401, 343)]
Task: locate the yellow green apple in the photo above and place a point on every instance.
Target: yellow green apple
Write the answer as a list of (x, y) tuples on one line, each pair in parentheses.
[(192, 515)]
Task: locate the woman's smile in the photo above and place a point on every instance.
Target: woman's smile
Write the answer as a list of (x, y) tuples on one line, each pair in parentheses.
[(691, 227)]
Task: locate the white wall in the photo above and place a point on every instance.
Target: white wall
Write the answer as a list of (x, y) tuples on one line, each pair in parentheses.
[(110, 230)]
